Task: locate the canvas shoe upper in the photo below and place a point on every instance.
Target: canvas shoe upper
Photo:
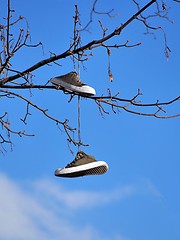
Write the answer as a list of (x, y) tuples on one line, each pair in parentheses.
[(82, 165), (71, 82)]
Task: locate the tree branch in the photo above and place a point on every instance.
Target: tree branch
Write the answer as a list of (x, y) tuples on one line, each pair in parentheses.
[(71, 52), (65, 125), (112, 100)]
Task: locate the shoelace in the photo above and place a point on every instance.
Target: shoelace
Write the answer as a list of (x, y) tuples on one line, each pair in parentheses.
[(78, 156), (78, 80)]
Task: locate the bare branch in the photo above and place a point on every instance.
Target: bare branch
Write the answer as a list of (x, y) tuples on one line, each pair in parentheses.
[(78, 53), (178, 1), (65, 125), (112, 100), (71, 52), (44, 111), (161, 14), (8, 25), (114, 97), (125, 108), (27, 114), (137, 104), (93, 10)]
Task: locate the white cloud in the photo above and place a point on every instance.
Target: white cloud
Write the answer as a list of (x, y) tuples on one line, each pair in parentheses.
[(45, 210), (83, 199), (15, 209), (25, 215)]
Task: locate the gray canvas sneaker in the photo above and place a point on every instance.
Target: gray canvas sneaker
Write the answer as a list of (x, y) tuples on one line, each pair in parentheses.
[(82, 165), (72, 83)]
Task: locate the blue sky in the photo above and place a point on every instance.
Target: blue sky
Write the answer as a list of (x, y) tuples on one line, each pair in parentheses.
[(138, 198)]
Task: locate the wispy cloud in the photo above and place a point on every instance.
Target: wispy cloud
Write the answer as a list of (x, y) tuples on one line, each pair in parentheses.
[(44, 210), (79, 199), (25, 215)]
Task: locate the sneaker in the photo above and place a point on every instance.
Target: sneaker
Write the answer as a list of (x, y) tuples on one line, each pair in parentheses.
[(71, 82), (82, 165)]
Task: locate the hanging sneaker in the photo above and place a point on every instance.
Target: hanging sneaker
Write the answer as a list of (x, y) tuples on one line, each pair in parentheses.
[(82, 165), (71, 82)]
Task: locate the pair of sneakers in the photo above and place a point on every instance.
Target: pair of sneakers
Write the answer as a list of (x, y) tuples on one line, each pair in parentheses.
[(82, 165)]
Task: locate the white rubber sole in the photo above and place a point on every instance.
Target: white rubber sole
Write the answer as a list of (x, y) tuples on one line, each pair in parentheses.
[(94, 168), (85, 89)]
